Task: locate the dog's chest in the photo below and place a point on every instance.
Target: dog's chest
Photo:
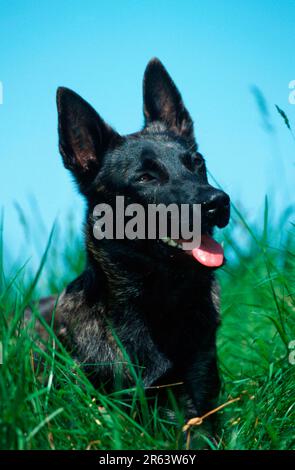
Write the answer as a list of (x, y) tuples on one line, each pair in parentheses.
[(168, 317), (159, 324)]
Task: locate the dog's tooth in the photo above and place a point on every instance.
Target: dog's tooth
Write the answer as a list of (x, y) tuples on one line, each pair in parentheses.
[(171, 242)]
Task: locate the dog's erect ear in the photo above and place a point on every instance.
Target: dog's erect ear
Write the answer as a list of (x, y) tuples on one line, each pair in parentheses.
[(163, 102), (83, 136)]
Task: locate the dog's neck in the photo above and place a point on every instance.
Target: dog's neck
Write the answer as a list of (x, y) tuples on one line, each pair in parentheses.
[(126, 279)]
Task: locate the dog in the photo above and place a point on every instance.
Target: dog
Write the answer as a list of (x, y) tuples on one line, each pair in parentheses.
[(147, 300)]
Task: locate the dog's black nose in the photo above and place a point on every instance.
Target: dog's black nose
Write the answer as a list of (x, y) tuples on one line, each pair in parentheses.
[(216, 208)]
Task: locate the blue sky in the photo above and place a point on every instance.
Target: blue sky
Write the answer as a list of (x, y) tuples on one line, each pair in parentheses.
[(215, 51)]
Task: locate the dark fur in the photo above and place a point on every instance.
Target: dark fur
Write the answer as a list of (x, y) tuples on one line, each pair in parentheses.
[(160, 302)]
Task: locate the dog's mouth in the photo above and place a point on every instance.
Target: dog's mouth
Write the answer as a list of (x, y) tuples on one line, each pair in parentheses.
[(209, 253)]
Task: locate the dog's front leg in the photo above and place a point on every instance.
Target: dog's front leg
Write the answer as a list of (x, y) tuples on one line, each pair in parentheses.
[(202, 381)]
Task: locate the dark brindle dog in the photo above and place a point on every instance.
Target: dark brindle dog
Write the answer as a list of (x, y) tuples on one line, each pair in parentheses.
[(159, 301)]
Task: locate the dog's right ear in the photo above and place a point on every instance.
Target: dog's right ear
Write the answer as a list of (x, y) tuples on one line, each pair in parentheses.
[(83, 136), (163, 102)]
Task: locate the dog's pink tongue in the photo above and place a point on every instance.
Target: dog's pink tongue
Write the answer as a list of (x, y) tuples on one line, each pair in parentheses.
[(209, 253)]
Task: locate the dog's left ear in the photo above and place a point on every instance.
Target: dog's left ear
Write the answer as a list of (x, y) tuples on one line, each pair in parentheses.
[(163, 102), (84, 137)]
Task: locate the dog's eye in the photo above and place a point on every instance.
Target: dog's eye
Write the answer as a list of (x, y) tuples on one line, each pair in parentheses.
[(146, 178), (192, 162), (198, 161)]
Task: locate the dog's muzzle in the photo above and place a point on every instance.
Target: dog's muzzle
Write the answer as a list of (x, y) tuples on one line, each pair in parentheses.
[(216, 208)]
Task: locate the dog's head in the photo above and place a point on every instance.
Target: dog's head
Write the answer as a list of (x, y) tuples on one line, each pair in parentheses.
[(159, 164)]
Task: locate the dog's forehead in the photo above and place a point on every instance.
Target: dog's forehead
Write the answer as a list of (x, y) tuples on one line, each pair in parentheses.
[(153, 146)]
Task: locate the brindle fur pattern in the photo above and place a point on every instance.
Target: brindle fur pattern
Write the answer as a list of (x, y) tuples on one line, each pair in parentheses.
[(160, 303)]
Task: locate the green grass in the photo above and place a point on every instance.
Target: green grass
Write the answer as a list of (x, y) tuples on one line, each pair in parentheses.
[(56, 407), (52, 405)]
